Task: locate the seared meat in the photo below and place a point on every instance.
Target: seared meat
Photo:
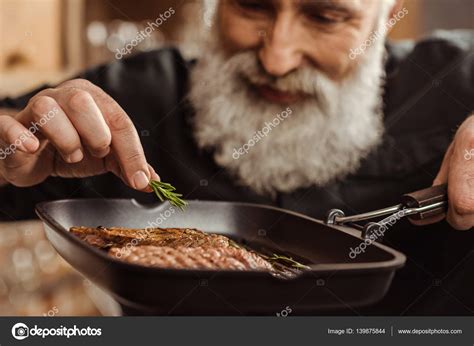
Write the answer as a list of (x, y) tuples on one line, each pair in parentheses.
[(172, 248), (106, 238), (228, 258)]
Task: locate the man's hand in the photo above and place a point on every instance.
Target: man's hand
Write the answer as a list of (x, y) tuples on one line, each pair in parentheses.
[(457, 170), (74, 130)]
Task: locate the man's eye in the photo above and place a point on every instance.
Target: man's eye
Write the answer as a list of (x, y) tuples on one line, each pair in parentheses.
[(253, 5), (325, 19)]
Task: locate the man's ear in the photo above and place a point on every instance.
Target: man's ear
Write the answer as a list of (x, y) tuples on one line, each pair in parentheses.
[(397, 6)]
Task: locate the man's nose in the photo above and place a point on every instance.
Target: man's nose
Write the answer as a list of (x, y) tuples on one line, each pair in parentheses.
[(279, 53)]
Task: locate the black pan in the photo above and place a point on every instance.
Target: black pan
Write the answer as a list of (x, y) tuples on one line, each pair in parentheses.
[(334, 280)]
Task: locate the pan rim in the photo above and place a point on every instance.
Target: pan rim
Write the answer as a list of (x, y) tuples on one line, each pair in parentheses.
[(397, 261)]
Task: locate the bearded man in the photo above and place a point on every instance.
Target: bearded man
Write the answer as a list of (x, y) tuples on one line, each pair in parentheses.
[(300, 104)]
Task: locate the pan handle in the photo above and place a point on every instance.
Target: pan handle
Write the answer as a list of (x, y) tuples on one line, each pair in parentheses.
[(417, 205), (436, 196)]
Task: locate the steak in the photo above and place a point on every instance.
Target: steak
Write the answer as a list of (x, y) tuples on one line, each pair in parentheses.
[(106, 238), (177, 248), (223, 258)]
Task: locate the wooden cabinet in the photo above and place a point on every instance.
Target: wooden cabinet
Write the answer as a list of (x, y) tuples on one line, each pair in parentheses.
[(30, 34), (38, 39)]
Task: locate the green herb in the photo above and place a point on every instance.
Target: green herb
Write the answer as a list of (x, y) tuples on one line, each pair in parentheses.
[(166, 192), (294, 264), (234, 244)]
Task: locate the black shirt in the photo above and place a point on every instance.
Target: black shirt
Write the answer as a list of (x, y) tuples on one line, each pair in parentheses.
[(428, 94)]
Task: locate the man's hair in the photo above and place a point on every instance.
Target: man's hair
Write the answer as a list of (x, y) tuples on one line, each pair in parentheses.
[(210, 6), (209, 9)]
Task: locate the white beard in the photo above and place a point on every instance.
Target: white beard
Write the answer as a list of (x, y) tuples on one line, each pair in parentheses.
[(325, 137)]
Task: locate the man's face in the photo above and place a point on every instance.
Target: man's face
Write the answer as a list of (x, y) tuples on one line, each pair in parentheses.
[(266, 58), (289, 34)]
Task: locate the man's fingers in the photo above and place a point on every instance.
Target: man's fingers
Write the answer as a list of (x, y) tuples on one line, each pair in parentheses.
[(87, 119), (461, 222), (19, 154), (154, 176), (55, 125), (442, 177), (461, 181), (14, 134), (461, 205), (125, 141), (128, 149)]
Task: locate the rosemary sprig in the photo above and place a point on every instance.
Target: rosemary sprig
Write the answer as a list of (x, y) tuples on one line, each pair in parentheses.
[(294, 264), (234, 244), (166, 192), (273, 259)]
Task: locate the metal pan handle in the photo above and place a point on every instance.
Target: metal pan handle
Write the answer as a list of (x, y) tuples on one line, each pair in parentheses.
[(417, 205), (435, 196)]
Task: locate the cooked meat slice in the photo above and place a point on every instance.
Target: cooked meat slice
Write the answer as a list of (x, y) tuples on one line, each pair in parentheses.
[(228, 258), (95, 240), (170, 237), (172, 248)]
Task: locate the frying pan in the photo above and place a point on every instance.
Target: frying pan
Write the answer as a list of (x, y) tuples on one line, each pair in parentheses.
[(334, 280)]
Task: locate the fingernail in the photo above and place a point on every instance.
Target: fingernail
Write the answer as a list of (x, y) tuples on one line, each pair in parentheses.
[(140, 180), (31, 144), (75, 156), (154, 175)]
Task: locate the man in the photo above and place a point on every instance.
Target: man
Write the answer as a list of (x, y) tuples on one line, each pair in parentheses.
[(291, 104)]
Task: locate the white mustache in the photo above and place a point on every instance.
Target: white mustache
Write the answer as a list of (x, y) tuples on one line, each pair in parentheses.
[(304, 80)]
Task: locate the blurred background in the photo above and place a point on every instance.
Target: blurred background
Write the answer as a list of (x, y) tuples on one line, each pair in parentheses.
[(46, 41), (49, 40)]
